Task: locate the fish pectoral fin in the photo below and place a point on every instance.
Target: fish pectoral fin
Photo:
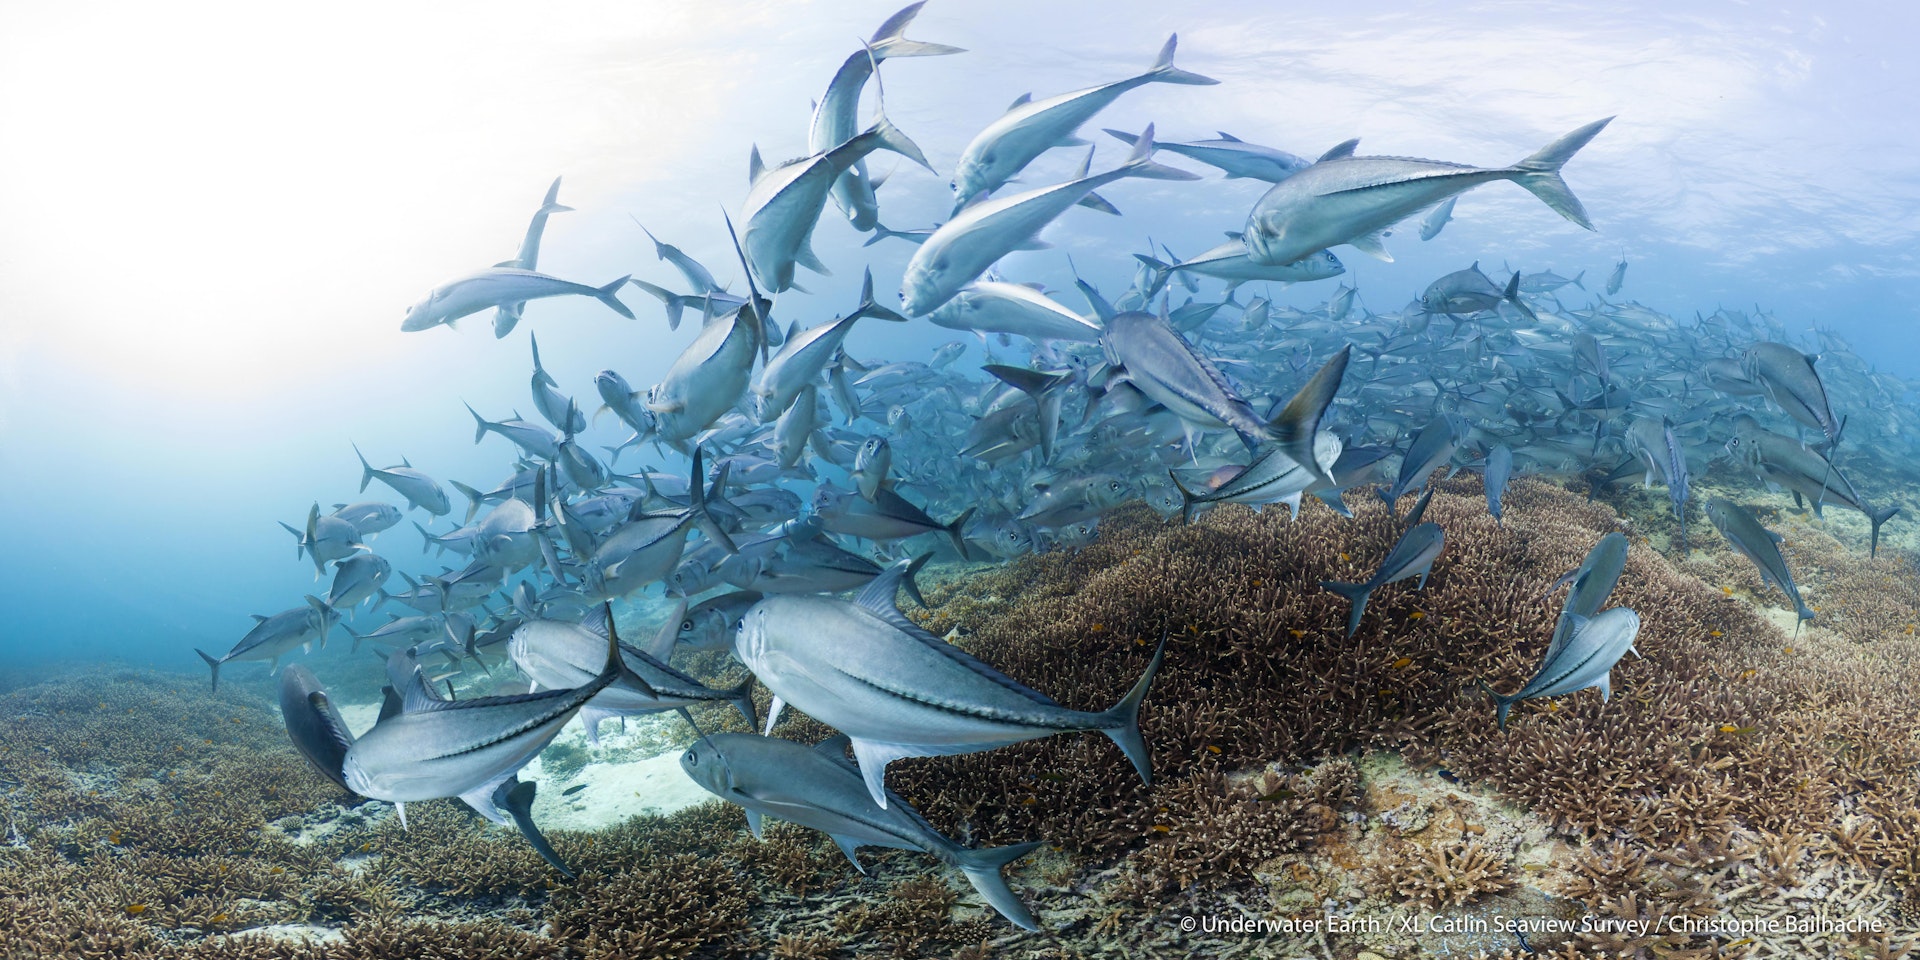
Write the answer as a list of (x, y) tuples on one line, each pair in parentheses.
[(1373, 245), (480, 798), (847, 846), (1605, 684), (400, 809), (756, 823), (667, 407), (773, 715), (873, 758)]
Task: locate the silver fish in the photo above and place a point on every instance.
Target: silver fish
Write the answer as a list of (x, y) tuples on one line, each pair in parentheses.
[(1412, 555), (898, 691), (1585, 660), (1031, 127), (1233, 156), (819, 787), (421, 491), (499, 287), (1757, 544), (1348, 199)]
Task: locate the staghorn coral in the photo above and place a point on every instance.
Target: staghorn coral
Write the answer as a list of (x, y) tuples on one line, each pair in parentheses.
[(1737, 770), (1442, 875)]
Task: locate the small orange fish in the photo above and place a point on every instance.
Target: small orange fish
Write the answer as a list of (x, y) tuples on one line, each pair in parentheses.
[(217, 918), (1213, 749), (1403, 663), (1297, 633), (1789, 649), (1256, 583), (1099, 627), (1346, 558), (114, 838), (136, 909), (1749, 674), (1029, 801), (1416, 615), (1162, 828), (1715, 633), (1727, 590)]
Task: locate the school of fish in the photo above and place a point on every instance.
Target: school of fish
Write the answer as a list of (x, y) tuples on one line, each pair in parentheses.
[(815, 485)]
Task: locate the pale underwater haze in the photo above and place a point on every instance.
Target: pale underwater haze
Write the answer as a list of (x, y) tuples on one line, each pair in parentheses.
[(214, 216)]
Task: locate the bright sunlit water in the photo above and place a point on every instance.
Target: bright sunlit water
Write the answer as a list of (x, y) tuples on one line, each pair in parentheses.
[(213, 216)]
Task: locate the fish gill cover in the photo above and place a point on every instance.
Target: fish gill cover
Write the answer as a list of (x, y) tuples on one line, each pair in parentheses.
[(1148, 609)]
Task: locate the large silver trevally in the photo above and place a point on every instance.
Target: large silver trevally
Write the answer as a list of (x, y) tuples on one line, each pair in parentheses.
[(1787, 462), (356, 579), (784, 203), (1437, 220), (1145, 352), (898, 691), (499, 287), (1432, 448), (994, 306), (799, 361), (646, 548), (508, 315), (437, 748), (1759, 545), (1280, 473), (965, 246), (421, 491), (707, 378), (1032, 127), (1789, 380), (1412, 555), (535, 439), (368, 516), (819, 787), (1593, 646), (552, 404), (313, 723), (274, 637), (1343, 198), (1229, 261), (834, 120), (1235, 157), (556, 655)]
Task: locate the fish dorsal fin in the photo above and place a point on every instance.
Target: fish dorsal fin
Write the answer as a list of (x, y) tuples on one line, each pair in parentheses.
[(879, 593), (1777, 538), (1340, 151), (662, 647), (417, 697), (1020, 101), (1229, 137), (257, 618), (835, 748), (756, 167), (389, 705)]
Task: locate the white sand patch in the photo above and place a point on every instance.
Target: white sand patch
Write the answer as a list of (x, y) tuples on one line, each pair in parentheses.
[(635, 770)]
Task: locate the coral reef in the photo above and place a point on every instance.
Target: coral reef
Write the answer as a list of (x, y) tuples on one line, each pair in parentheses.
[(1739, 772)]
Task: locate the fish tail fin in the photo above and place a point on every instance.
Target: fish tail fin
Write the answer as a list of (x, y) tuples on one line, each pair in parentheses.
[(1130, 139), (1501, 704), (1540, 173), (357, 635), (1163, 70), (891, 41), (1125, 716), (954, 535), (1578, 277), (474, 498), (697, 504), (366, 469), (213, 662), (607, 296), (673, 304), (480, 423), (1356, 592), (984, 870), (742, 698), (1140, 162), (426, 538), (1187, 499), (908, 581), (868, 307), (886, 136), (1879, 517)]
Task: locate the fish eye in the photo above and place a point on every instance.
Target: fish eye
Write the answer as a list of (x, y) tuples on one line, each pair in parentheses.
[(686, 625), (693, 758)]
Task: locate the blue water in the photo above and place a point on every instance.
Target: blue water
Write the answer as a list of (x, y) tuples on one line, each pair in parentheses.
[(210, 238)]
